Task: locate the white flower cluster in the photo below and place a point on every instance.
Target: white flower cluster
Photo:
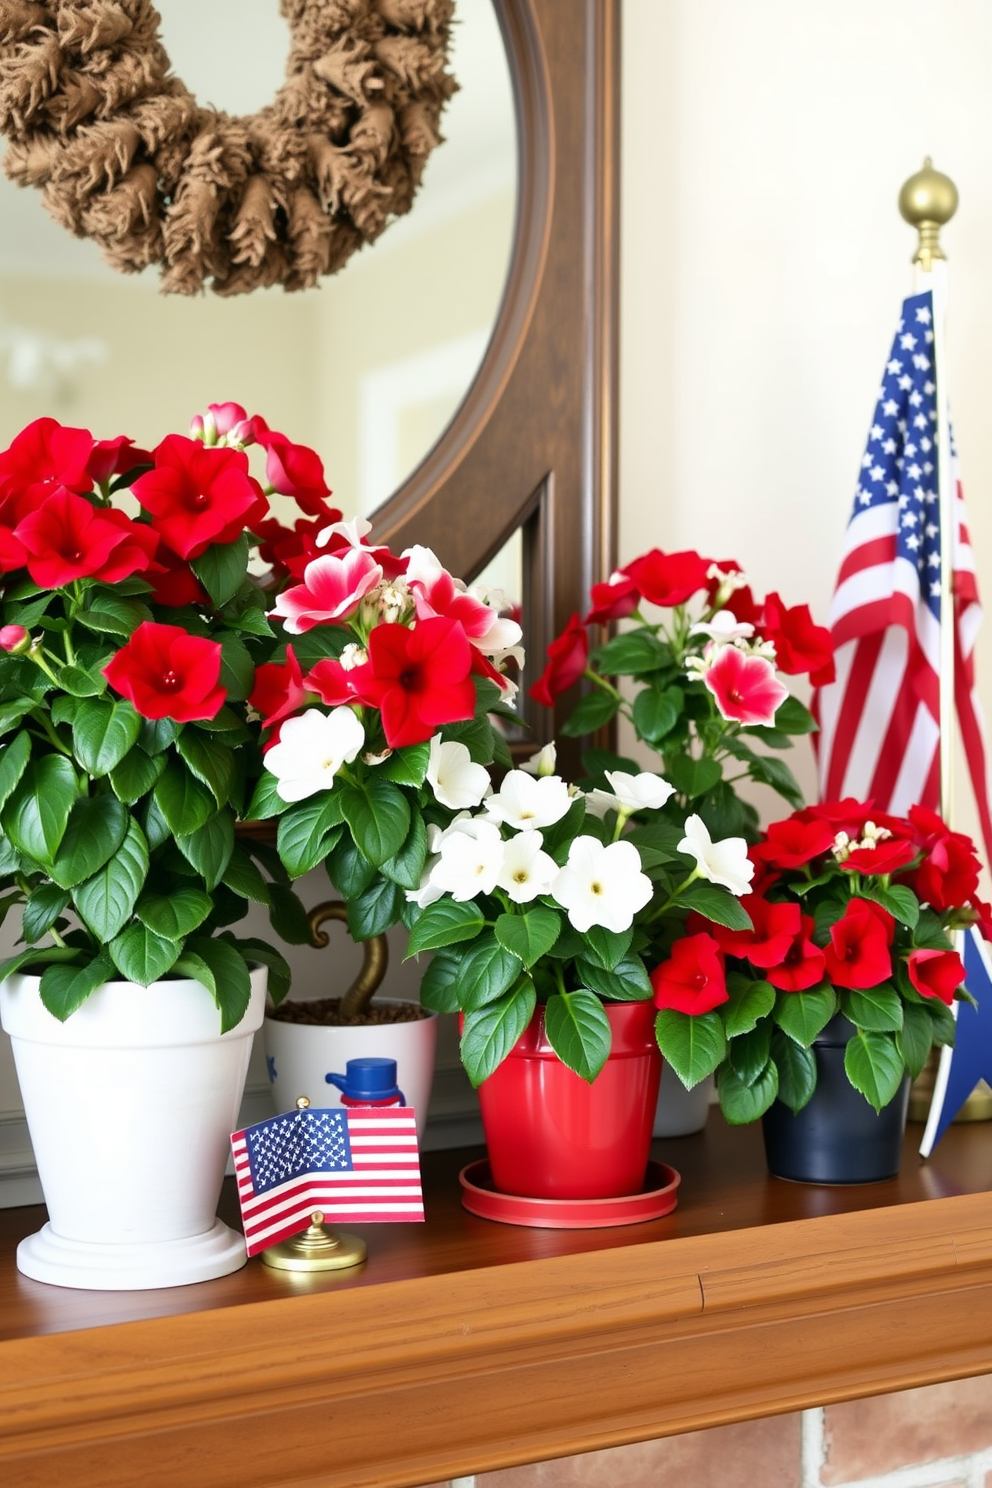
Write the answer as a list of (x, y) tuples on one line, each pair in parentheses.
[(600, 884), (845, 845)]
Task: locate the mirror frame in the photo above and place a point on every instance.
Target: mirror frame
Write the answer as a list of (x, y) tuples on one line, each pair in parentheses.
[(533, 445)]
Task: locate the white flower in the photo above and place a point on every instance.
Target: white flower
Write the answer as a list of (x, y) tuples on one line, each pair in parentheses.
[(643, 792), (353, 532), (725, 862), (311, 750), (525, 803), (723, 626), (544, 762), (601, 885), (455, 780), (469, 865), (527, 872), (353, 656)]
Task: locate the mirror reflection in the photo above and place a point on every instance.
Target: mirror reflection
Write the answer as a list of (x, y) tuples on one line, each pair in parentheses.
[(369, 369)]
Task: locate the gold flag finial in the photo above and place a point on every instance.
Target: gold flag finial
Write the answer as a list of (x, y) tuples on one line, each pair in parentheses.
[(928, 200)]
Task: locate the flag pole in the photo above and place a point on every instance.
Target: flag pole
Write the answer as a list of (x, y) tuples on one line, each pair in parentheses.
[(927, 201)]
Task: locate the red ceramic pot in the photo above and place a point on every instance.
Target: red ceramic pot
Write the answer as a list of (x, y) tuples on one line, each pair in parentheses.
[(551, 1135)]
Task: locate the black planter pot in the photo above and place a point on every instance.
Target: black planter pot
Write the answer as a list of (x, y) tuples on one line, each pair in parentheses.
[(837, 1137)]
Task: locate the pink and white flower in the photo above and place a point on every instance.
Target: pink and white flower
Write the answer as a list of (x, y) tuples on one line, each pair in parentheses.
[(601, 885), (745, 688), (333, 588)]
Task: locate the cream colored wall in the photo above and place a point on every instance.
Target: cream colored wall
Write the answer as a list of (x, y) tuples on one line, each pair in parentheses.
[(763, 263)]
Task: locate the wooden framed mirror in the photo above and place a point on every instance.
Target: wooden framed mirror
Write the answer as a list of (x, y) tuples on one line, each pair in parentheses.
[(533, 446)]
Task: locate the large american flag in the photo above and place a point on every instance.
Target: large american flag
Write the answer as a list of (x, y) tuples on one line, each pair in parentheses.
[(359, 1163), (879, 721)]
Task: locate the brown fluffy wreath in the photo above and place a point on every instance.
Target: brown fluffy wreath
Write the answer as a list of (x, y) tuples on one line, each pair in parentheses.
[(125, 155)]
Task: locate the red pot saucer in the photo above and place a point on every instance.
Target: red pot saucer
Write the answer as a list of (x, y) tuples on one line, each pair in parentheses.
[(659, 1196)]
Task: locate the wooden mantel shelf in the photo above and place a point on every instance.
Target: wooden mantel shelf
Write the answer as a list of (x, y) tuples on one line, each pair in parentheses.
[(463, 1345)]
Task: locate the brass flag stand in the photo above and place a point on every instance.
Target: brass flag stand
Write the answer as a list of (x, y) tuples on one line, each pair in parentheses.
[(317, 1248)]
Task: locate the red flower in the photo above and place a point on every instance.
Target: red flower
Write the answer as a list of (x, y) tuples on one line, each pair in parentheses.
[(111, 457), (292, 469), (983, 916), (278, 690), (167, 673), (935, 973), (948, 876), (418, 679), (668, 578), (858, 953), (613, 600), (745, 688), (568, 656), (290, 549), (198, 497), (800, 645), (793, 843), (43, 457), (174, 584), (332, 683), (773, 928), (67, 539), (887, 856), (803, 964), (741, 602), (692, 979)]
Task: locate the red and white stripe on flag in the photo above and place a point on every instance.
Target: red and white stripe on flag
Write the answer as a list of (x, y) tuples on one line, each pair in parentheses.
[(383, 1183)]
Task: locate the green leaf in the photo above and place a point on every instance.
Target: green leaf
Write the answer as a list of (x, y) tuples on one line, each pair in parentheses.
[(802, 1015), (157, 734), (942, 1020), (102, 733), (142, 956), (445, 922), (749, 1052), (775, 772), (742, 1103), (209, 849), (242, 874), (375, 910), (64, 988), (229, 982), (628, 982), (607, 946), (378, 814), (280, 976), (287, 915), (135, 776), (105, 902), (915, 1039), (407, 866), (717, 904), (579, 1031), (304, 832), (406, 766), (692, 777), (633, 653), (11, 713), (874, 1066), (900, 901), (174, 915), (439, 984), (657, 712), (749, 1003), (110, 614), (592, 712), (36, 956), (210, 761), (348, 869), (43, 908), (96, 828), (222, 568), (490, 1034), (930, 934), (183, 801), (878, 1009), (37, 813), (13, 762), (237, 670), (796, 1071), (266, 800), (693, 1046), (530, 935), (793, 717), (488, 970)]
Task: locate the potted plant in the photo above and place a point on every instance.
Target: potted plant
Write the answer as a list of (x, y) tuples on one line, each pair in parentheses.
[(695, 673), (128, 752), (381, 711), (817, 1015), (543, 909)]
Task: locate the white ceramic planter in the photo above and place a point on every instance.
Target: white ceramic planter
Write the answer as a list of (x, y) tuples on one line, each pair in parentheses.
[(681, 1112), (130, 1104), (299, 1057)]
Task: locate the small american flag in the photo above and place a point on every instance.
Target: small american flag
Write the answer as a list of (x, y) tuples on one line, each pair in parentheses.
[(359, 1163), (879, 721)]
